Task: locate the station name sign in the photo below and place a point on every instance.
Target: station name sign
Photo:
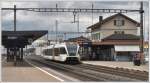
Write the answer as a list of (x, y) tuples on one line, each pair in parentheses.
[(11, 37)]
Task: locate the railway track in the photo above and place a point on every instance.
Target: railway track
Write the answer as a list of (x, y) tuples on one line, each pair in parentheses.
[(79, 75), (83, 73), (135, 74)]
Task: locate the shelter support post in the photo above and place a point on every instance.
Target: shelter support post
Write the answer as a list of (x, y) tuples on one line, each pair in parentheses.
[(8, 54), (21, 53), (141, 34), (15, 57)]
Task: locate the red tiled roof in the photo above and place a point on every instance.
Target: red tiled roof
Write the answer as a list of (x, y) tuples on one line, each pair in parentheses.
[(81, 38), (137, 42), (122, 37)]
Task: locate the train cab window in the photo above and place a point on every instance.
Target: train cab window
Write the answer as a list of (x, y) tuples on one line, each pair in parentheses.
[(63, 51), (56, 51), (72, 49)]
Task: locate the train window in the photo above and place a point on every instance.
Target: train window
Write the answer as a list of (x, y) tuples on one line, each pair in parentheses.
[(72, 49), (49, 52), (46, 52), (63, 51), (56, 51)]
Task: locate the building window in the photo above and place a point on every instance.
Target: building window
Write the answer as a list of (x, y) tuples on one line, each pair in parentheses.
[(119, 22), (96, 36), (119, 32)]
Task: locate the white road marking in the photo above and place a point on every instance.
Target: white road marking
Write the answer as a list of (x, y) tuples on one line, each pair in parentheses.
[(45, 71), (62, 75)]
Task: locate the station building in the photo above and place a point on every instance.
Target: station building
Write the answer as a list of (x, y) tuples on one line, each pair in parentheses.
[(115, 38)]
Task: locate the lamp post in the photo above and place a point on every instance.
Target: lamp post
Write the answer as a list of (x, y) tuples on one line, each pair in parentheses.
[(141, 34), (14, 17)]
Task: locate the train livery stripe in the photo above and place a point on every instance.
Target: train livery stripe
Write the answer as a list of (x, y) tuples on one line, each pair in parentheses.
[(45, 71)]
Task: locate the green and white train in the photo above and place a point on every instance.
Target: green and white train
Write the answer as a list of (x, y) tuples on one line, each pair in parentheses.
[(62, 52)]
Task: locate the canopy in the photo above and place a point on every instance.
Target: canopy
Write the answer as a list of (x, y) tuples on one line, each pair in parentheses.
[(19, 39), (127, 48)]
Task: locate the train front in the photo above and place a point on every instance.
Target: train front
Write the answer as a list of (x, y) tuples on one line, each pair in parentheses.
[(73, 55)]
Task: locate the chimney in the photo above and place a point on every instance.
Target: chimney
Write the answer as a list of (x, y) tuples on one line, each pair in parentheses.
[(100, 19)]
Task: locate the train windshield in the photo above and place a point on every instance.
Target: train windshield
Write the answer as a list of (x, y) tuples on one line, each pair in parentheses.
[(72, 50)]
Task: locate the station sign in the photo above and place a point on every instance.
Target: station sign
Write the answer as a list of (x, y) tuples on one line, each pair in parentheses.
[(11, 37), (86, 44)]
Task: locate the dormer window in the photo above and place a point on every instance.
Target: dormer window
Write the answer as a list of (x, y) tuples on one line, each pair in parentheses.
[(119, 22)]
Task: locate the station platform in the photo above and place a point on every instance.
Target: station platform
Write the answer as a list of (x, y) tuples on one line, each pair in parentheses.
[(120, 64), (24, 72)]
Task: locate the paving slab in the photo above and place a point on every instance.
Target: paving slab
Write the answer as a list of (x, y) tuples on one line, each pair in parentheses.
[(23, 72), (120, 64)]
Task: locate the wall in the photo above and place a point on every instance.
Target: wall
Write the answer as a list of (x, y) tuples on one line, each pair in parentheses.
[(108, 28)]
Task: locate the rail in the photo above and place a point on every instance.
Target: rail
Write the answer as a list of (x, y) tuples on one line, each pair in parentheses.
[(85, 73)]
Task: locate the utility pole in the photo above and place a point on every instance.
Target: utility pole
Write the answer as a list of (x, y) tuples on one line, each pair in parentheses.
[(141, 33), (74, 16), (78, 24), (92, 13), (56, 29), (47, 39), (14, 17), (65, 35), (56, 22), (15, 49)]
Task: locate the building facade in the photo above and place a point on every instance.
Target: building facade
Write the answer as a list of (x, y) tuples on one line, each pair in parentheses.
[(115, 38)]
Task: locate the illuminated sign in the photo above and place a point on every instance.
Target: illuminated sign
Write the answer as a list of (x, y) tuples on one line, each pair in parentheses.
[(12, 37)]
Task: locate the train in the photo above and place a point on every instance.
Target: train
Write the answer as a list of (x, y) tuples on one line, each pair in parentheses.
[(62, 52)]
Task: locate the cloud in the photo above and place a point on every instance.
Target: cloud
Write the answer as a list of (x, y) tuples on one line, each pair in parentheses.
[(28, 20)]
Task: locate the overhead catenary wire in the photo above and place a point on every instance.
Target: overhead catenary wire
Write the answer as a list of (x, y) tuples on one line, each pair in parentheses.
[(78, 10)]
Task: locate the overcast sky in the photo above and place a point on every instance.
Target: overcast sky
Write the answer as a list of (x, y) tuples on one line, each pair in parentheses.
[(28, 20)]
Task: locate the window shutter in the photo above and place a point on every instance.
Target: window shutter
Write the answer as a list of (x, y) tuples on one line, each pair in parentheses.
[(114, 22)]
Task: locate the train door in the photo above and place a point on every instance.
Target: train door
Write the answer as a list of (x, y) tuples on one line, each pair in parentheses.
[(56, 53)]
